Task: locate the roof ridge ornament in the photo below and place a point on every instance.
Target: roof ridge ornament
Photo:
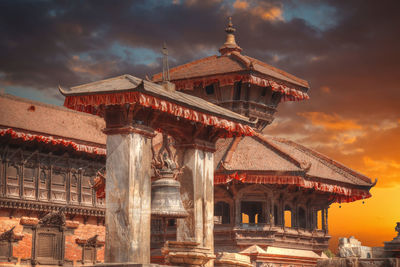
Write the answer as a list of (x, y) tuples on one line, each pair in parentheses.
[(230, 44), (165, 73), (167, 85)]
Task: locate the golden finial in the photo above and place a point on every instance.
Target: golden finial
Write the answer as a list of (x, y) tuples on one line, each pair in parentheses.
[(230, 28), (230, 44)]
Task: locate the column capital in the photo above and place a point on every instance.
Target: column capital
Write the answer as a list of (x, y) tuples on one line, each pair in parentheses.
[(135, 128), (198, 144)]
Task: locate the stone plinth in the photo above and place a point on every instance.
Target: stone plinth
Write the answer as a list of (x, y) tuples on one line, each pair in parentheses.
[(187, 254), (226, 259), (128, 193)]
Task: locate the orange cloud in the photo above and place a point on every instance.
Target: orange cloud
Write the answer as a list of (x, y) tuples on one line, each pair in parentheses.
[(271, 13), (330, 122), (263, 10), (240, 4)]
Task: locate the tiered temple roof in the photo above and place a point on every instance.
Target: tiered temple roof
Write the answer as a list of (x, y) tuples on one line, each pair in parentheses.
[(32, 122), (269, 160)]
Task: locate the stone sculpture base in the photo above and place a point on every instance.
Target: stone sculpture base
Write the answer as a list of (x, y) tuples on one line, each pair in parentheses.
[(183, 253), (225, 259)]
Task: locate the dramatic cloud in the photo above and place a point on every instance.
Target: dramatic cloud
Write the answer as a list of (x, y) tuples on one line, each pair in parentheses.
[(347, 50)]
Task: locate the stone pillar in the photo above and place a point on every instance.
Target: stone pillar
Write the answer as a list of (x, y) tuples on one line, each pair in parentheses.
[(128, 194), (197, 191)]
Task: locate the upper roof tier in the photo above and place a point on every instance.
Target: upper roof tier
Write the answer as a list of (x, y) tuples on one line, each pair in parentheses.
[(130, 90), (209, 70)]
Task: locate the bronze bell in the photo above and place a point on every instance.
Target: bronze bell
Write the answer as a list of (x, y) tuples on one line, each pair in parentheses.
[(166, 199), (165, 192)]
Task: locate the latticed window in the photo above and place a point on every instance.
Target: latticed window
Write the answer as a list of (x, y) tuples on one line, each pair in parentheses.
[(12, 180)]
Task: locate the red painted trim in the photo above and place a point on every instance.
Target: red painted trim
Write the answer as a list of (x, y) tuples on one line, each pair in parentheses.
[(52, 141), (339, 193), (91, 103)]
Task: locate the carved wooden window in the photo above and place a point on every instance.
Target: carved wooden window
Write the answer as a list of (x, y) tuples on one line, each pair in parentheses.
[(5, 250), (6, 246), (12, 180), (89, 255), (58, 186), (30, 181), (74, 189), (87, 192), (89, 249), (49, 243), (43, 186), (221, 213)]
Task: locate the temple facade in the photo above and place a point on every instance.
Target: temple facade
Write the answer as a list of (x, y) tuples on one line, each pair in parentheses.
[(49, 213), (272, 195), (269, 197)]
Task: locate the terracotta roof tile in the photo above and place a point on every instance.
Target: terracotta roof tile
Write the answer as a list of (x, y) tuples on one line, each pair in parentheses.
[(37, 117), (234, 62), (269, 154)]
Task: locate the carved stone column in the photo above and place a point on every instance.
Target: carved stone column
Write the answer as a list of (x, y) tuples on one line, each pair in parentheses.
[(128, 194), (197, 192)]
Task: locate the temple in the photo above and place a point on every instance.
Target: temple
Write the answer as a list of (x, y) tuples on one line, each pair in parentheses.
[(250, 199)]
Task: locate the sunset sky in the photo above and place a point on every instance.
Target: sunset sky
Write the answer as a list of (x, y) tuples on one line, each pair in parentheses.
[(349, 51)]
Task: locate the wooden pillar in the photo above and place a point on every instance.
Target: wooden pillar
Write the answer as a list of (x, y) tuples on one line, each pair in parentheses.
[(128, 194)]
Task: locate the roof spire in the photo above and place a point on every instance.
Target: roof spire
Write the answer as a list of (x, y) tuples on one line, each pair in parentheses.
[(165, 73), (230, 45)]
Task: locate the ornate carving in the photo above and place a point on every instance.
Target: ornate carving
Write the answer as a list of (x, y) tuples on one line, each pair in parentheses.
[(46, 207), (7, 235), (99, 185), (54, 218), (10, 236), (165, 161)]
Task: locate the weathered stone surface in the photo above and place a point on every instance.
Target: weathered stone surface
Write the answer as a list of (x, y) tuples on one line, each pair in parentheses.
[(351, 247), (226, 259), (197, 189), (128, 198), (183, 253)]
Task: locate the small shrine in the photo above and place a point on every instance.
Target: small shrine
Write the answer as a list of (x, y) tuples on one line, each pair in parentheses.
[(134, 110)]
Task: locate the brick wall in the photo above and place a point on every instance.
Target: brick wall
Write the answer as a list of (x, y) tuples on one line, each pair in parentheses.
[(73, 252)]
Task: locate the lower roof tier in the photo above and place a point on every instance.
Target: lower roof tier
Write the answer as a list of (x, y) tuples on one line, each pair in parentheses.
[(269, 160)]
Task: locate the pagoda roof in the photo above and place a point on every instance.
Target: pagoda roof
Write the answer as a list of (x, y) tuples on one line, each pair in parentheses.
[(127, 89), (232, 67), (32, 121), (233, 62), (271, 160)]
